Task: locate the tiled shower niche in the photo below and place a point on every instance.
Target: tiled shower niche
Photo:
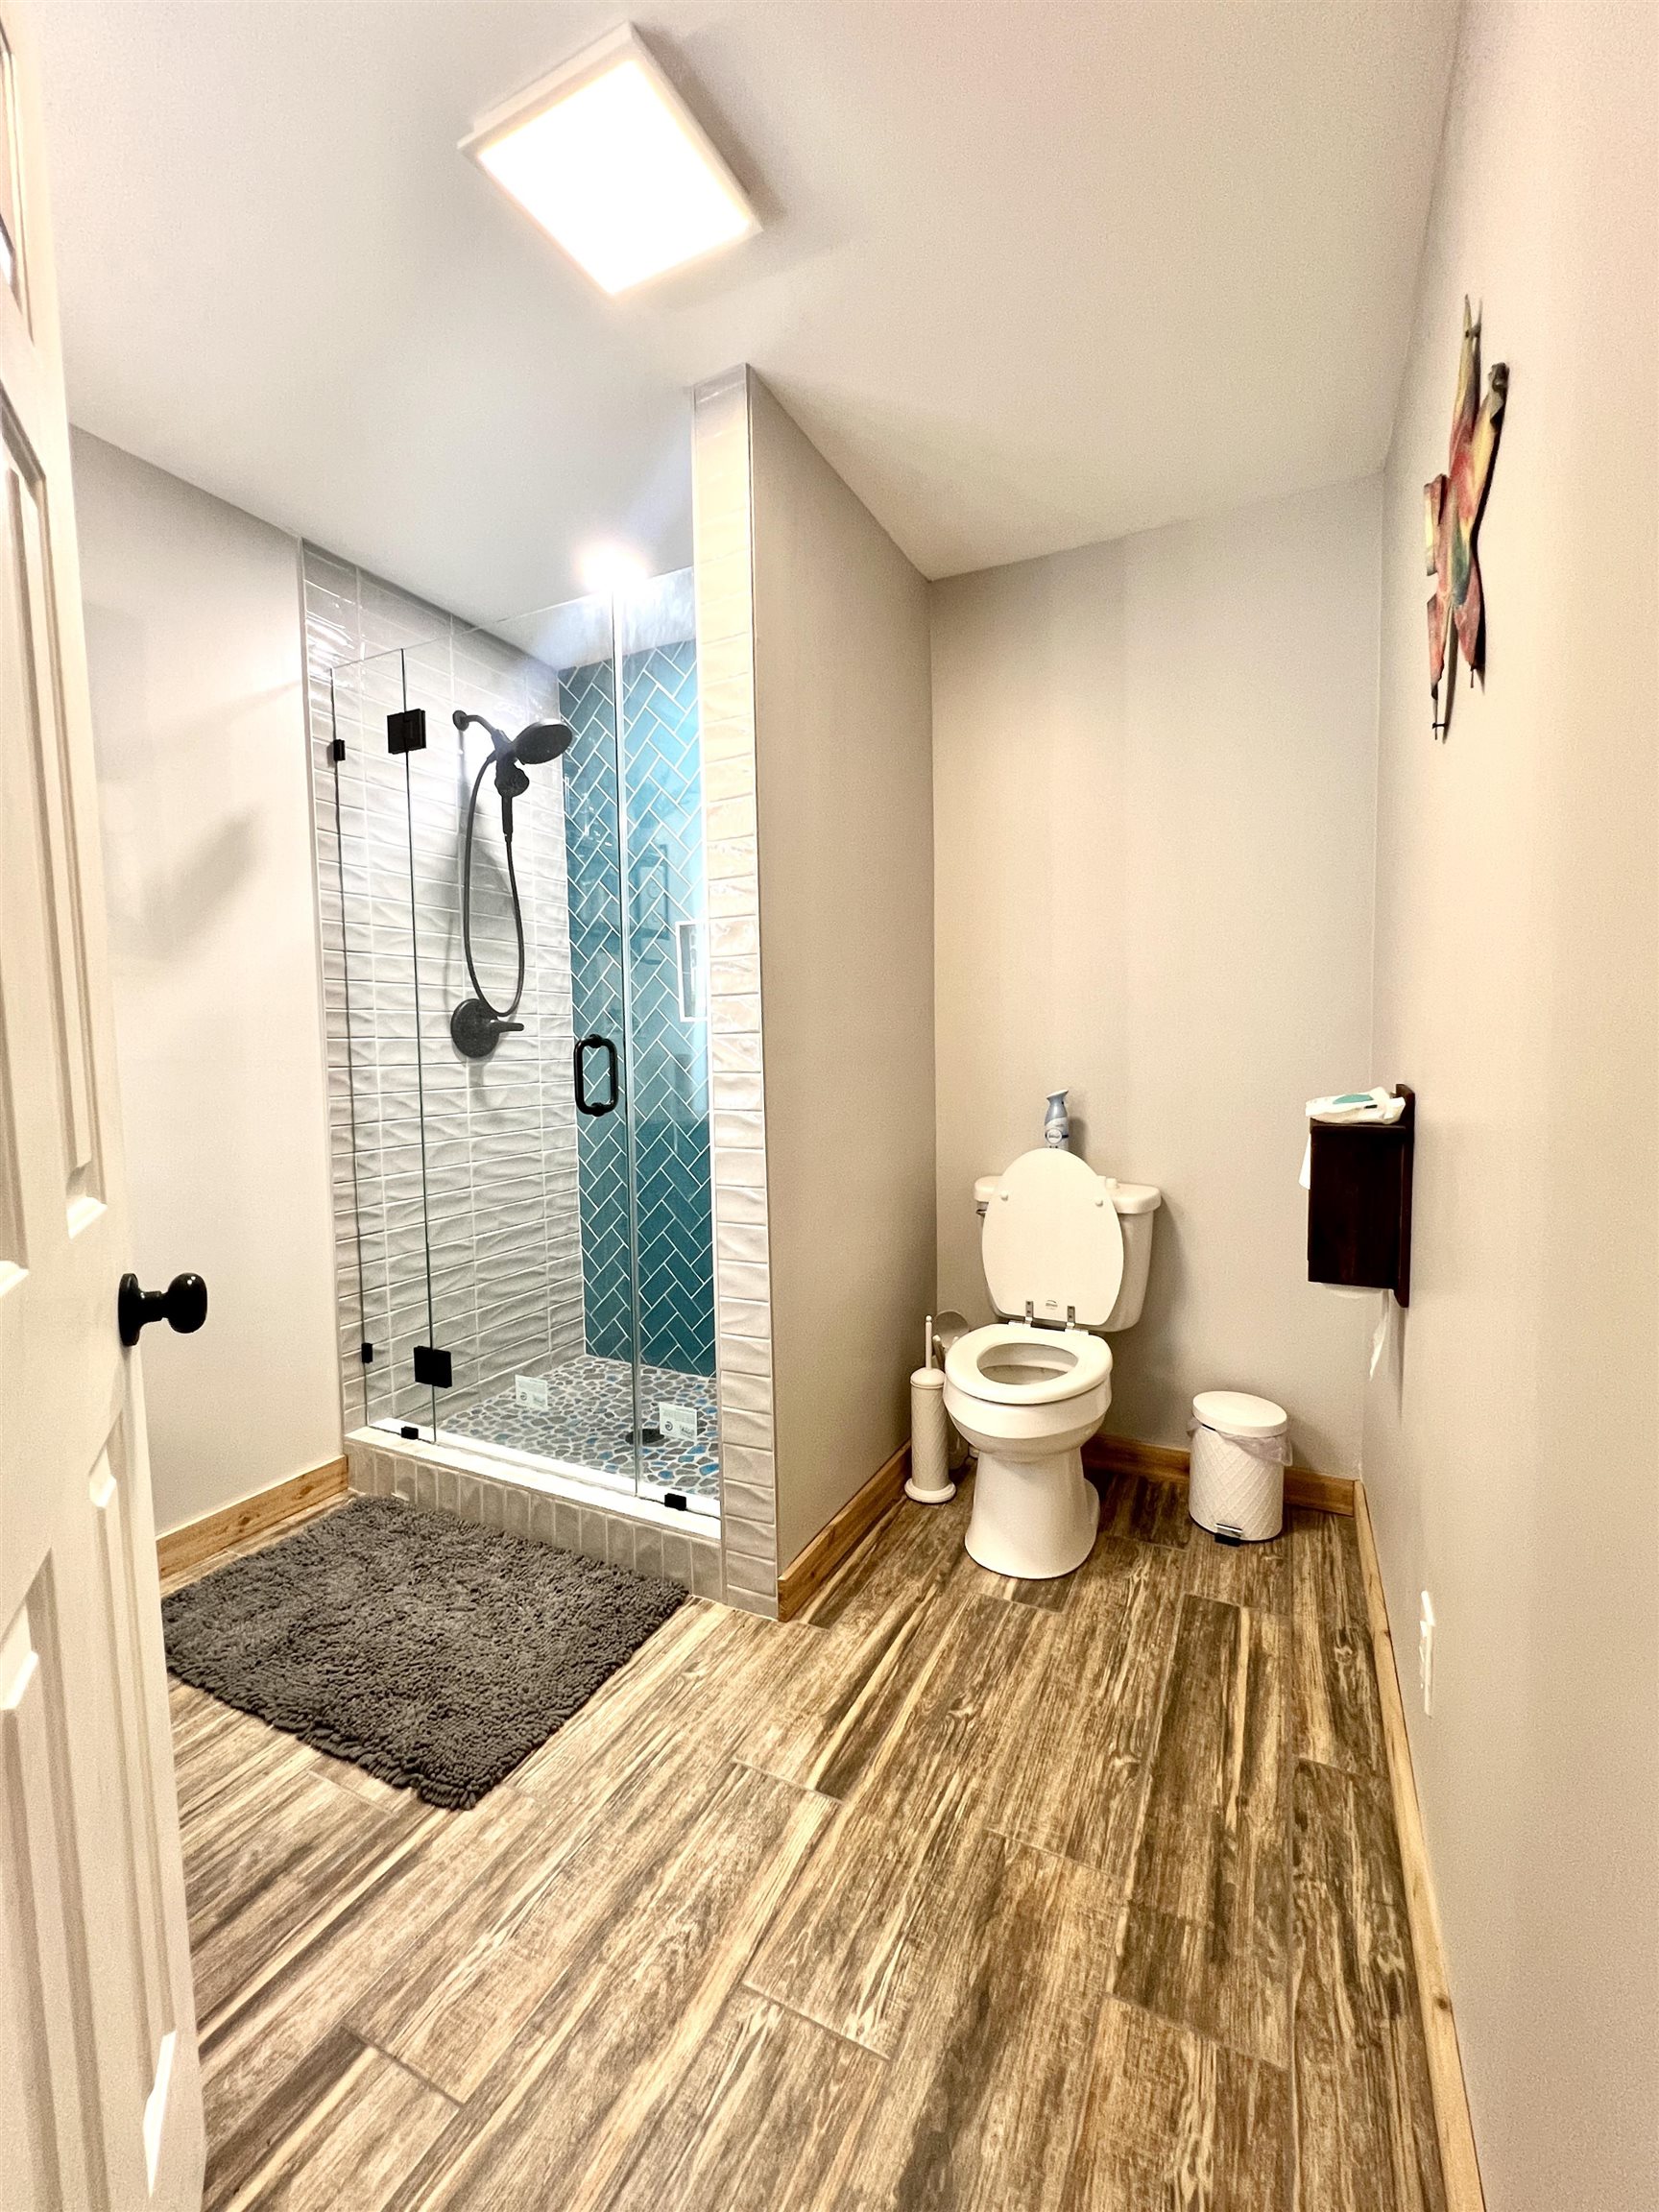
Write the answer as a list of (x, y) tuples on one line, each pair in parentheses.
[(559, 1265)]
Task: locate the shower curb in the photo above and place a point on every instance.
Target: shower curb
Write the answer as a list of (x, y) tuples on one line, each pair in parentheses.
[(635, 1533)]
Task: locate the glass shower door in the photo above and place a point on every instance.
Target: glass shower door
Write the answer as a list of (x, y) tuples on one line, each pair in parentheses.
[(664, 988), (516, 1067), (608, 1382)]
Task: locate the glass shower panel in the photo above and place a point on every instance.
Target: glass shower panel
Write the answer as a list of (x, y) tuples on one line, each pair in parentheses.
[(386, 1170)]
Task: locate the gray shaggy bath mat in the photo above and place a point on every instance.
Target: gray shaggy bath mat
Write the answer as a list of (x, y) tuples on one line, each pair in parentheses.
[(434, 1654)]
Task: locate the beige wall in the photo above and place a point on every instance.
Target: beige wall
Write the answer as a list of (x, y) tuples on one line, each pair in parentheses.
[(194, 650), (843, 766), (1510, 1453), (1154, 768)]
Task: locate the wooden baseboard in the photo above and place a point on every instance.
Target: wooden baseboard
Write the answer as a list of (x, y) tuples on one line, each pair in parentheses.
[(1166, 1463), (1127, 1455), (193, 1546), (1458, 2166), (810, 1570), (1320, 1493)]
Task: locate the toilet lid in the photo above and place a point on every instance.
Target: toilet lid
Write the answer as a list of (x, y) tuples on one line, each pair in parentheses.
[(1051, 1237)]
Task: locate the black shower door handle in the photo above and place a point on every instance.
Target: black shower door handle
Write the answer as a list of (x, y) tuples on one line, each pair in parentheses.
[(585, 1104)]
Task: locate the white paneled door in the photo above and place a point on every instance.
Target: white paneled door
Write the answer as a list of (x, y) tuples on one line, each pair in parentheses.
[(100, 2094)]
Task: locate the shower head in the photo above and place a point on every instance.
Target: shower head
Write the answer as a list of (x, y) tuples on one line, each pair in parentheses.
[(534, 744), (542, 741)]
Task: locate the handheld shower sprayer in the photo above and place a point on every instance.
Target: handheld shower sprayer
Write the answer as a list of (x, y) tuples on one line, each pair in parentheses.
[(476, 1026), (534, 745)]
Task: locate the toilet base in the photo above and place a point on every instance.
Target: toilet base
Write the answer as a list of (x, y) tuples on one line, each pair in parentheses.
[(1032, 1518)]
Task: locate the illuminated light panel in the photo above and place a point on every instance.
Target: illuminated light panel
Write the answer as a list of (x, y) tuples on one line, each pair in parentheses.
[(608, 159)]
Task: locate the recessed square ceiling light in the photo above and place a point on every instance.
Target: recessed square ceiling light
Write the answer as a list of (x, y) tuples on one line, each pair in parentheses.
[(608, 158)]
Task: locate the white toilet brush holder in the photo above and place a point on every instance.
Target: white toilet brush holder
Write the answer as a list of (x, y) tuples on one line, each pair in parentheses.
[(929, 1482), (943, 1331)]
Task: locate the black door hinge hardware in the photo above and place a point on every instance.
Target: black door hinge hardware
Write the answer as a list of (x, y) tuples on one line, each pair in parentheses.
[(433, 1367)]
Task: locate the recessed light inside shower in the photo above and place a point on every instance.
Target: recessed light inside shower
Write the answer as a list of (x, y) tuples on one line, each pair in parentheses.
[(608, 571), (608, 158)]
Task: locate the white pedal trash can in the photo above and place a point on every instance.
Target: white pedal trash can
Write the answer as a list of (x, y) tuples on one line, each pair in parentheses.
[(1241, 1450)]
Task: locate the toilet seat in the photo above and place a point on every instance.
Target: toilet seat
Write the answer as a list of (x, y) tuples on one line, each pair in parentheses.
[(1059, 1364)]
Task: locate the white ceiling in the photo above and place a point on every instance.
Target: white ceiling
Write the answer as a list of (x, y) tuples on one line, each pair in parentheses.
[(1032, 274)]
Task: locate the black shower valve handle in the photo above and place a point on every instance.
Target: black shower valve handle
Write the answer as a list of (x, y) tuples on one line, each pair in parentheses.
[(182, 1306), (475, 1029)]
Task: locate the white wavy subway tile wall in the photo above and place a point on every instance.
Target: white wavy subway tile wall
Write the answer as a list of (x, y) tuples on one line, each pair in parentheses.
[(496, 1206)]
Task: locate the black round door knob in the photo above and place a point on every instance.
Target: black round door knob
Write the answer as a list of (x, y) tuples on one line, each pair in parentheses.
[(182, 1306)]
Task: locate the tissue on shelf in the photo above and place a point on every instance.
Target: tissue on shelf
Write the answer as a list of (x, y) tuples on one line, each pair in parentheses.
[(1377, 1106)]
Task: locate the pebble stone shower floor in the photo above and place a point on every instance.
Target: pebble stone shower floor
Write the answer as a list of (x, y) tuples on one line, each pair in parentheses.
[(589, 1418)]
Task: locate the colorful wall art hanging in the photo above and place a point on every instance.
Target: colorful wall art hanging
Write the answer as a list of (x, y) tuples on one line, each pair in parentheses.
[(1451, 508)]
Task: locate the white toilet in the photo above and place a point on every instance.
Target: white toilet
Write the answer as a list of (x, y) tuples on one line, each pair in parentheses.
[(1066, 1250)]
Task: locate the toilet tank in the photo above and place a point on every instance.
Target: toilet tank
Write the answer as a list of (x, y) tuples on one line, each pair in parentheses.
[(1137, 1203)]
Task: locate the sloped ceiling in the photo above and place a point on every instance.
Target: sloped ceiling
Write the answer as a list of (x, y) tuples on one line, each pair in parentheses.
[(1032, 274)]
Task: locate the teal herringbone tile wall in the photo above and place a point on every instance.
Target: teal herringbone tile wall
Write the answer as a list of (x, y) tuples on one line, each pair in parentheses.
[(669, 1075)]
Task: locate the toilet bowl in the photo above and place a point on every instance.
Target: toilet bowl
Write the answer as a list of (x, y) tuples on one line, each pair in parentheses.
[(1029, 1393), (1028, 1400)]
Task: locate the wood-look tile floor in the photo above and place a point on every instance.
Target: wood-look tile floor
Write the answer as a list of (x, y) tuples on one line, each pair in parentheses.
[(955, 1893)]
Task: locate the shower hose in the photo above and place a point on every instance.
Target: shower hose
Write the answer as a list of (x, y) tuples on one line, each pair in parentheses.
[(507, 1012)]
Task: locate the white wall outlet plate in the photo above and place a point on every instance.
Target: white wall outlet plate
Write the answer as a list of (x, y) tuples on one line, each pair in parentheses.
[(1426, 1651), (531, 1390), (678, 1423)]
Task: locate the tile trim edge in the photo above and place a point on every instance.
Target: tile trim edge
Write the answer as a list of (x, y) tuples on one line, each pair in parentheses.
[(724, 584)]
